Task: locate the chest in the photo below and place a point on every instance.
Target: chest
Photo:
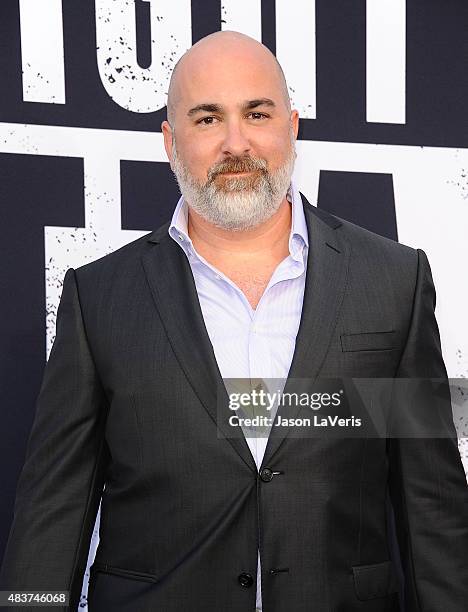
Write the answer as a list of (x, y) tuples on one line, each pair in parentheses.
[(251, 278), (252, 282)]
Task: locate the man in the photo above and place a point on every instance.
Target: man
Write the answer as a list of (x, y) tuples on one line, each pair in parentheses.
[(246, 281)]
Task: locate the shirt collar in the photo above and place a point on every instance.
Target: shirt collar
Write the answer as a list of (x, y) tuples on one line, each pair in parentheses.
[(298, 237)]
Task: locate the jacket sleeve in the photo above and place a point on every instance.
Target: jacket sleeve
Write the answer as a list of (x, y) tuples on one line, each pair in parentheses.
[(427, 483), (60, 485)]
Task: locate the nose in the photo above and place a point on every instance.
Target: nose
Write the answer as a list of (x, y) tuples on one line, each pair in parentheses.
[(235, 141)]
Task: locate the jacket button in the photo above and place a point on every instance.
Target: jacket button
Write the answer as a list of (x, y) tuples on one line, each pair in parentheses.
[(266, 474), (245, 580)]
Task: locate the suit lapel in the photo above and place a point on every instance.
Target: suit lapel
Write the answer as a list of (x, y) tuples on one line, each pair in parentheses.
[(326, 278), (174, 292)]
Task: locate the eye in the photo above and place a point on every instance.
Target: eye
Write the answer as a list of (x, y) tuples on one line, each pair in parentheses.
[(258, 116), (206, 120)]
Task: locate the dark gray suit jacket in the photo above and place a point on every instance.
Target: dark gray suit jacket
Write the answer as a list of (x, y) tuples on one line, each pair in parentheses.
[(129, 400)]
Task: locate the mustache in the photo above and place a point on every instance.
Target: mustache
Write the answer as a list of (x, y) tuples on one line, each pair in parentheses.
[(237, 164)]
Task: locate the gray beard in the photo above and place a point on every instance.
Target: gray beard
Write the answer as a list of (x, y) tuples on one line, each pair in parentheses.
[(239, 206)]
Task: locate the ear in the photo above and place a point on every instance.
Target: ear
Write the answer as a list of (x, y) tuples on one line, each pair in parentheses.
[(167, 133), (295, 122)]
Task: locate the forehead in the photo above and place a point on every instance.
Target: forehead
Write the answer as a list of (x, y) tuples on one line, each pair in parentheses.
[(227, 79)]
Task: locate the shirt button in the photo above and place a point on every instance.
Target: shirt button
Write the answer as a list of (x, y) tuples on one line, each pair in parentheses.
[(181, 238), (266, 474), (245, 580)]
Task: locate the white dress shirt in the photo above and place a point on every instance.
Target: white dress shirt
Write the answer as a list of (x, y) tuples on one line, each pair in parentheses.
[(247, 342)]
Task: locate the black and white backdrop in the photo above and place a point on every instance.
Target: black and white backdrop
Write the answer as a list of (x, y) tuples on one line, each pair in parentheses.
[(382, 91)]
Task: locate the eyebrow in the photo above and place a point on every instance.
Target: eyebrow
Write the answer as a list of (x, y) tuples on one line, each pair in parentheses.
[(217, 108)]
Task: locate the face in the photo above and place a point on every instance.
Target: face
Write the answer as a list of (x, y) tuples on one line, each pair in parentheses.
[(232, 141)]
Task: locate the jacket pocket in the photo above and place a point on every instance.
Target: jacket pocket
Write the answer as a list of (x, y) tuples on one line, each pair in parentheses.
[(376, 580), (104, 568), (369, 341)]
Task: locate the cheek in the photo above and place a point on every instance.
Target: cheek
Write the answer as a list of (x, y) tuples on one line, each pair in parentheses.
[(199, 167), (274, 149), (198, 157)]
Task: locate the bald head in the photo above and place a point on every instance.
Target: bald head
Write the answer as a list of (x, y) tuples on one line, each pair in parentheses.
[(220, 53)]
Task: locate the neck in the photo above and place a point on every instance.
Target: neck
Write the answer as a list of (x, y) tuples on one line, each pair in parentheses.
[(269, 236)]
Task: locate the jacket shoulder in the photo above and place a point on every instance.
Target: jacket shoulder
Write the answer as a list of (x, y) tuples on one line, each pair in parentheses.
[(366, 242), (122, 259), (360, 239), (374, 256)]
